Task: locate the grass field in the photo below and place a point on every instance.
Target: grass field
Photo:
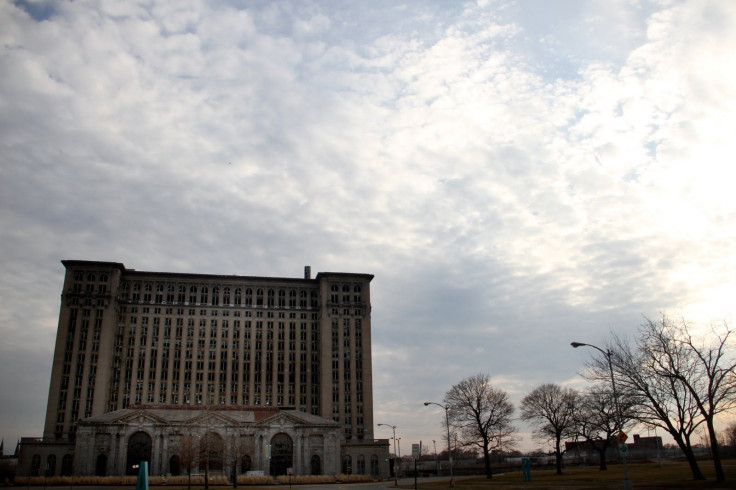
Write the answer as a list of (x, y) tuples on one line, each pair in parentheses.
[(648, 475)]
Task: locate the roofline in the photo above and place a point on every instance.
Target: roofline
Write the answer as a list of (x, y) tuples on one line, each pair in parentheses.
[(93, 263), (192, 275)]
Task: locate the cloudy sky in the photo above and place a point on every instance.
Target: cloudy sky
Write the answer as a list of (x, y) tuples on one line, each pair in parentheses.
[(516, 174)]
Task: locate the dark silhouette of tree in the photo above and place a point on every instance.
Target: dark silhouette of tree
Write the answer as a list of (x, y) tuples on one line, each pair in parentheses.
[(187, 449), (550, 409), (595, 419), (662, 400), (705, 369), (482, 414)]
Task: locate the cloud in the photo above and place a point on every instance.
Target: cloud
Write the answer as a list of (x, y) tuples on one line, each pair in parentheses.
[(514, 176)]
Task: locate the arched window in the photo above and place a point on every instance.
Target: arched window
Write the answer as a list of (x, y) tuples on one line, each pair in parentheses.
[(238, 296), (51, 465), (90, 278), (347, 465), (361, 465), (259, 297), (78, 276), (103, 278), (101, 465), (204, 295), (210, 452), (315, 299), (282, 298), (271, 296), (215, 296), (226, 296), (66, 465), (375, 469), (282, 454), (249, 297), (315, 465), (302, 299), (139, 449), (292, 298), (36, 463)]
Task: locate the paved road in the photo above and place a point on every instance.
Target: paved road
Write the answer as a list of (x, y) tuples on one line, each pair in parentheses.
[(382, 485)]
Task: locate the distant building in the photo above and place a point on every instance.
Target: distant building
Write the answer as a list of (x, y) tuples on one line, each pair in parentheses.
[(248, 366), (640, 447), (8, 463)]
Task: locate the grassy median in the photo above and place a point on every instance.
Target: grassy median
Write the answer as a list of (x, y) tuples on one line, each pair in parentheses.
[(645, 475)]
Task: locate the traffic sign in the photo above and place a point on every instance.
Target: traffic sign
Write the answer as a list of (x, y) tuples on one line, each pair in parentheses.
[(621, 437)]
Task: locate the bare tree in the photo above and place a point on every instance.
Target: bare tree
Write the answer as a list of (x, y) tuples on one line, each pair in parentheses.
[(662, 400), (237, 451), (729, 435), (550, 408), (482, 414), (596, 420), (706, 370), (187, 449)]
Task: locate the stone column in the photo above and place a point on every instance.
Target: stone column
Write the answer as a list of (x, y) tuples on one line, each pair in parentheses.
[(154, 464), (297, 457)]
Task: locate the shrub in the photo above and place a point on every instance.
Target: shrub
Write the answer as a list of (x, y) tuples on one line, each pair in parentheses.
[(341, 478), (306, 480), (255, 480)]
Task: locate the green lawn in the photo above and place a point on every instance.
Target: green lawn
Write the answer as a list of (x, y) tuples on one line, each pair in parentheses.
[(648, 475)]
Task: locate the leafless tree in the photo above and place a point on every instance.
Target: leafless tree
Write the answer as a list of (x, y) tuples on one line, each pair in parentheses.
[(187, 449), (729, 435), (707, 370), (550, 408), (482, 414), (662, 400), (237, 451), (596, 420)]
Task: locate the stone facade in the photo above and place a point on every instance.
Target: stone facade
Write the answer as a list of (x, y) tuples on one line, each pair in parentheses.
[(159, 343), (226, 440)]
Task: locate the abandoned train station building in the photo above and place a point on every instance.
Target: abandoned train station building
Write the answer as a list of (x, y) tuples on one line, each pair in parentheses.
[(235, 373)]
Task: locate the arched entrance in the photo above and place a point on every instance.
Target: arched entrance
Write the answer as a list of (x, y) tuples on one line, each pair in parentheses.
[(315, 465), (245, 464), (174, 466), (139, 449), (101, 465), (282, 454)]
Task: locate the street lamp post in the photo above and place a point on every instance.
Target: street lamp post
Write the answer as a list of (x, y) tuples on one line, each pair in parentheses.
[(446, 408), (607, 353), (396, 474)]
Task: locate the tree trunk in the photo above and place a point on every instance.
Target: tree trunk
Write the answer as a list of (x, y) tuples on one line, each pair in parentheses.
[(487, 461), (715, 450), (558, 456), (687, 450), (602, 456)]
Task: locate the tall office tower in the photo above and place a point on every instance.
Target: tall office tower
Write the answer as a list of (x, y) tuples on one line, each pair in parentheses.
[(133, 339)]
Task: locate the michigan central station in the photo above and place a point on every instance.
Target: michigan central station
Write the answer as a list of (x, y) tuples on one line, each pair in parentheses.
[(261, 374)]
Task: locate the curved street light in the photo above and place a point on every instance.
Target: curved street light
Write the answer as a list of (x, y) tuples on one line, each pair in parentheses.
[(396, 474), (446, 408), (607, 353)]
